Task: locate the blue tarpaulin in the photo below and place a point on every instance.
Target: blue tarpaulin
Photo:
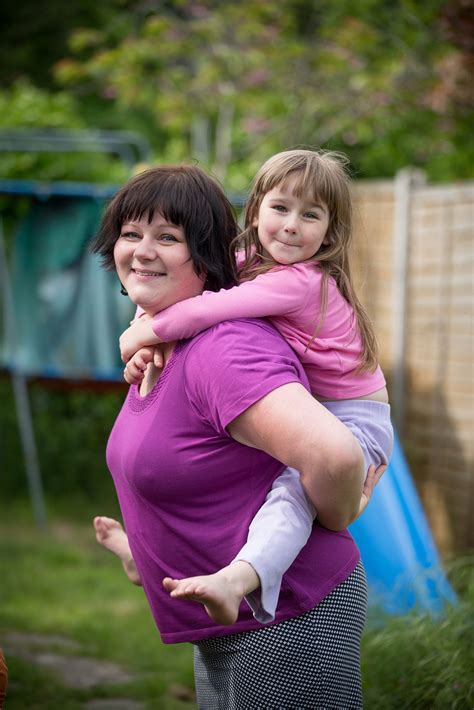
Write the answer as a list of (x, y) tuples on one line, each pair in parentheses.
[(399, 554), (68, 311)]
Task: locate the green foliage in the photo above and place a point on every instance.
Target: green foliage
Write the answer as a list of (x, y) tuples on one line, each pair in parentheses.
[(80, 593), (28, 107), (71, 431), (417, 662), (231, 83), (34, 38)]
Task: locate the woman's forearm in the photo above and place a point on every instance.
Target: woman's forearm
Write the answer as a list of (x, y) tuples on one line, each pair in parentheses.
[(335, 485), (293, 427)]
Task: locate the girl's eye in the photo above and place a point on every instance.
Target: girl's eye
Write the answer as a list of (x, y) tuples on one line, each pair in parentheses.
[(311, 215), (279, 208)]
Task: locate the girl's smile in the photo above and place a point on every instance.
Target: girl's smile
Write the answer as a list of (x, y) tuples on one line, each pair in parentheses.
[(291, 228)]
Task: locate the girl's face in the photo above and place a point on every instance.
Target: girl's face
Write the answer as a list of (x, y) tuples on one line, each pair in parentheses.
[(291, 228), (154, 264)]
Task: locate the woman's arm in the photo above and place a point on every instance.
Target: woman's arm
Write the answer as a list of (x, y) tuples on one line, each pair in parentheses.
[(282, 291), (293, 427)]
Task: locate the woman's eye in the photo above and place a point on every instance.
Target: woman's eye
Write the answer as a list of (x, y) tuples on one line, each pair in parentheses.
[(168, 238), (130, 235)]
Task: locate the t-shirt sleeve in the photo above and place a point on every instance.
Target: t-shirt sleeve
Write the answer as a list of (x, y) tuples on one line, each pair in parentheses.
[(234, 365), (279, 292)]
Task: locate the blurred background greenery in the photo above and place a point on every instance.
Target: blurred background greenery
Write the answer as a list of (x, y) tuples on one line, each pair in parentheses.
[(226, 84), (230, 83)]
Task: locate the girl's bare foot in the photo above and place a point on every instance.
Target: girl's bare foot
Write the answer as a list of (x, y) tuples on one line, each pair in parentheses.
[(111, 535), (220, 593)]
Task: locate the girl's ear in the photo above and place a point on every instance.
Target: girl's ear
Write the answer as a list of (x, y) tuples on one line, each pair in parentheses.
[(327, 237)]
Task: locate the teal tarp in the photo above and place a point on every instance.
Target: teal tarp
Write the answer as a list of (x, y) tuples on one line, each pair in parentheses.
[(68, 312)]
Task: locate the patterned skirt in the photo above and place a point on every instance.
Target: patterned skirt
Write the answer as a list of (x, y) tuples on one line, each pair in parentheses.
[(310, 661)]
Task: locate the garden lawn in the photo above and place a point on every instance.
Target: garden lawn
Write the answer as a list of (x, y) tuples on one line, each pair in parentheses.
[(62, 586), (62, 597)]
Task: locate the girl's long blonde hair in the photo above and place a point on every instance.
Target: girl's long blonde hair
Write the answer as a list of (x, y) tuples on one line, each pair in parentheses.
[(323, 175)]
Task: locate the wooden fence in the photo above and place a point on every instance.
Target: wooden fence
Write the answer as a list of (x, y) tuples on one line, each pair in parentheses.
[(414, 258)]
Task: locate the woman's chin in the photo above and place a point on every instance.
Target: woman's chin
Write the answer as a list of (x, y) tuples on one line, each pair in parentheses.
[(142, 297)]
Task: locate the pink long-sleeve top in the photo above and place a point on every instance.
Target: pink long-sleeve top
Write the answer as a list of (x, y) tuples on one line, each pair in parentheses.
[(290, 296)]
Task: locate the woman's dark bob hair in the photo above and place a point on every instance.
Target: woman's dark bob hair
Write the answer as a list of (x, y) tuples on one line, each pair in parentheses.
[(185, 196)]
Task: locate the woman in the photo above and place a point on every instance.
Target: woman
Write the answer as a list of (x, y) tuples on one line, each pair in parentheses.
[(194, 452)]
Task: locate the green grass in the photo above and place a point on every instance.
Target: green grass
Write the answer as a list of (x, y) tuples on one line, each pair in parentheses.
[(415, 661), (61, 583)]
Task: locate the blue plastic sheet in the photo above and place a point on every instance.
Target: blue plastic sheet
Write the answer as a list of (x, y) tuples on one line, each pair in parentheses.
[(68, 311), (402, 563)]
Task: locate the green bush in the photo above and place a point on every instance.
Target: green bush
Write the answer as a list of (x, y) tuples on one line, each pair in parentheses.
[(24, 106), (417, 661), (71, 430)]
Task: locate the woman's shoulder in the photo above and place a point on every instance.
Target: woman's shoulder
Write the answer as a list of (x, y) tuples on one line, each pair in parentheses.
[(248, 344), (239, 333), (238, 361)]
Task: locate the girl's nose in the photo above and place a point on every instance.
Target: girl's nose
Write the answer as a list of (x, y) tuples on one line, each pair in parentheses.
[(290, 225)]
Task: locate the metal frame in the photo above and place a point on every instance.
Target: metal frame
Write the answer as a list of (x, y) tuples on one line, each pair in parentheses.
[(22, 403), (129, 146)]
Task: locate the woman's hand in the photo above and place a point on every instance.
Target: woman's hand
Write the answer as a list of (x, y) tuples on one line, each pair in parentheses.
[(373, 477), (139, 335)]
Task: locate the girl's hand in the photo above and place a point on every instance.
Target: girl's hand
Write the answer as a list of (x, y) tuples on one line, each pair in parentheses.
[(373, 477), (139, 335), (135, 368)]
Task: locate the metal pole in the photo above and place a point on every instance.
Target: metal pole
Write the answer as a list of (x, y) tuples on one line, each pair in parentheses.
[(20, 392)]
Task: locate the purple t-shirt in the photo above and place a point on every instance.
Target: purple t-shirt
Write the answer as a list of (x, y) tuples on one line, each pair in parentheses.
[(188, 491)]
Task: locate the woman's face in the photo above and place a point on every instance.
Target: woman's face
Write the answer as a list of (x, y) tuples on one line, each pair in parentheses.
[(154, 264)]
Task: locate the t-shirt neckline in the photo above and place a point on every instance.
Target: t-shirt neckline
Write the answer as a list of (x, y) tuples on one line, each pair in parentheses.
[(137, 402)]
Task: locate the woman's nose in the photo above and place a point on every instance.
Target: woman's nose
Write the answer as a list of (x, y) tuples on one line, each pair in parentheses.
[(145, 249)]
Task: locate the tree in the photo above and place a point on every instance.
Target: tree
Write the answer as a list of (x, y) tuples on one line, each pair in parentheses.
[(34, 37), (26, 106), (230, 83)]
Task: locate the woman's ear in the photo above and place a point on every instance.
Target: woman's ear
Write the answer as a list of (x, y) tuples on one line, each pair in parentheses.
[(204, 276)]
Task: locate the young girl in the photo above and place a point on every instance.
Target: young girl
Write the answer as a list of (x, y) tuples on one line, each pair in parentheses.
[(293, 268)]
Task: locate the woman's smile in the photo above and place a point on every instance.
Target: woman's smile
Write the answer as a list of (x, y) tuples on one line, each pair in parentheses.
[(154, 264), (145, 274)]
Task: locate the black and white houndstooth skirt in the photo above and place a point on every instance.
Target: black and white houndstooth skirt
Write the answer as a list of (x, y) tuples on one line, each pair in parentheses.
[(308, 662)]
